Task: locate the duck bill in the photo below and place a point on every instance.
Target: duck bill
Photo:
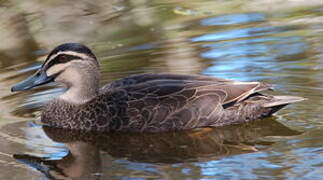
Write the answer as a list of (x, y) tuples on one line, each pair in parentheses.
[(39, 78)]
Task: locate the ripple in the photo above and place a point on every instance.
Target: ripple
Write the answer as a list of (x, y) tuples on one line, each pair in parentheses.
[(231, 19)]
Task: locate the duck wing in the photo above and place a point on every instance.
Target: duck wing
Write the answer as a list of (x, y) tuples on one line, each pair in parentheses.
[(232, 90), (142, 78), (173, 102)]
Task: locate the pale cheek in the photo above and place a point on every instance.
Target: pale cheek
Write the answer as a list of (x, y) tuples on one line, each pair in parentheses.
[(55, 69), (70, 76)]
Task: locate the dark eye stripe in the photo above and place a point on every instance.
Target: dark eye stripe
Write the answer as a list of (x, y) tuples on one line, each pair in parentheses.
[(62, 58)]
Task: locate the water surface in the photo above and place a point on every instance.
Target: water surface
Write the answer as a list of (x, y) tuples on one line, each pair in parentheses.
[(278, 42)]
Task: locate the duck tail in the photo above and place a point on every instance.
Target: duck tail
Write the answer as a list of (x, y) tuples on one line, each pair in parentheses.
[(255, 107), (282, 100), (278, 102)]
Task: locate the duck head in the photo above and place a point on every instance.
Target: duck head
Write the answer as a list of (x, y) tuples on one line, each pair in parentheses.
[(71, 64)]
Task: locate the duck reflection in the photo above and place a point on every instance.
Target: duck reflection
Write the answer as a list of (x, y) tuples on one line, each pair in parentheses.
[(86, 149)]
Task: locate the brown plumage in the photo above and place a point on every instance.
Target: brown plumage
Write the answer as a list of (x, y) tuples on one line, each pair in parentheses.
[(150, 102)]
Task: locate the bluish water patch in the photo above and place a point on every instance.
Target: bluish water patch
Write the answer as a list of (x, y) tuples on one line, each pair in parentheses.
[(233, 19), (239, 33)]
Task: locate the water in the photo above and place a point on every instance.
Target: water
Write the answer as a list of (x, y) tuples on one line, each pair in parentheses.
[(278, 42)]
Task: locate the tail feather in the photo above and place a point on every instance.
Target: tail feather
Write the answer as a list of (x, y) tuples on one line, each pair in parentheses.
[(256, 106), (283, 100)]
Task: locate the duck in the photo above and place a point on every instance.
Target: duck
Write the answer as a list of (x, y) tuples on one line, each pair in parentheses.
[(158, 102)]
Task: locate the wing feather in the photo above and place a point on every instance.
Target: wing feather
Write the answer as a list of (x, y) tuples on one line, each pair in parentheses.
[(176, 101)]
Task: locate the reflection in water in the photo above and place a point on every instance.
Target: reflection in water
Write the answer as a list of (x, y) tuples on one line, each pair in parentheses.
[(84, 158), (82, 162), (233, 19), (248, 49), (239, 33)]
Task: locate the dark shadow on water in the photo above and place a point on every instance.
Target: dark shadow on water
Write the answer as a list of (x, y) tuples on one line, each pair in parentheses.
[(87, 150)]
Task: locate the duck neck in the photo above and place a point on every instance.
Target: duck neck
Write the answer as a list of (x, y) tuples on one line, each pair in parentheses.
[(79, 95)]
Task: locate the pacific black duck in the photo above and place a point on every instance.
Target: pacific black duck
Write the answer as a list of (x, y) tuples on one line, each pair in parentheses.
[(145, 102)]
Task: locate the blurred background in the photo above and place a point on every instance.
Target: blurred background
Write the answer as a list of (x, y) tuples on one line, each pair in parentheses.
[(275, 41)]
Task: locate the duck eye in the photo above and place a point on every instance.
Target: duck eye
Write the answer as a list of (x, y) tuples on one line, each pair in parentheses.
[(62, 58)]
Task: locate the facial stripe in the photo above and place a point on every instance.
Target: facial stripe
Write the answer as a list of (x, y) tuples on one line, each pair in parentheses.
[(58, 68), (60, 59), (71, 55)]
